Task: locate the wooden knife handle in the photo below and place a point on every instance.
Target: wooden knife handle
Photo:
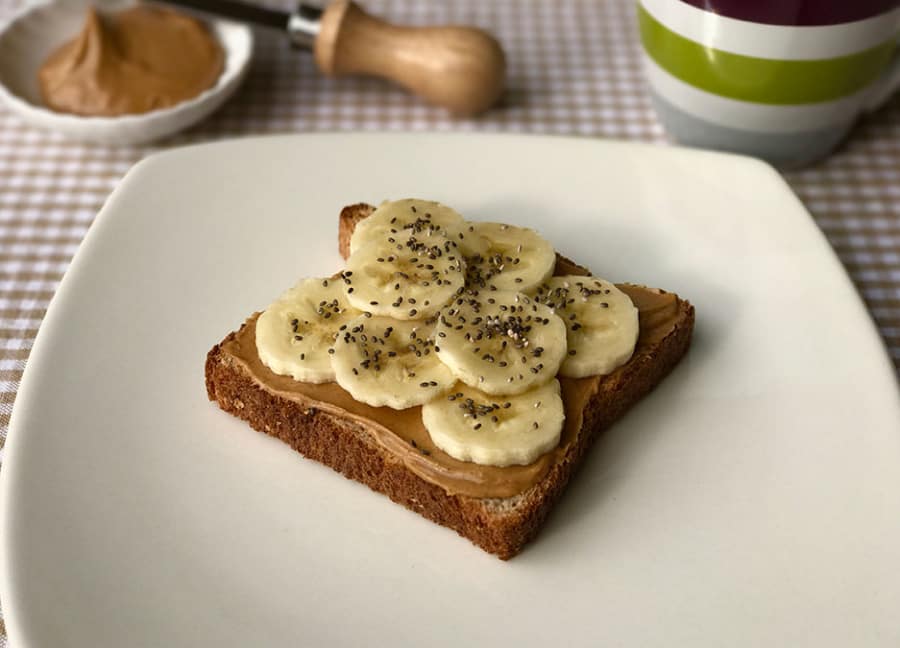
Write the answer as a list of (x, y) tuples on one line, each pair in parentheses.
[(459, 68)]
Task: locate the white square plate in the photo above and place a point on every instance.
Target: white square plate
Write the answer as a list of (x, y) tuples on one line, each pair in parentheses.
[(752, 500)]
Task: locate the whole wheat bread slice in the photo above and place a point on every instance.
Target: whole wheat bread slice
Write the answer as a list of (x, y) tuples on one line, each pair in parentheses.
[(501, 526)]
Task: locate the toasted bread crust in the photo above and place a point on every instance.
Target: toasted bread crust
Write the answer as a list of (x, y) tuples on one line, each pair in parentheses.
[(499, 526), (350, 216)]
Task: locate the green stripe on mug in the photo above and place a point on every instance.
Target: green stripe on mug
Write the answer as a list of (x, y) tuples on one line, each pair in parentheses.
[(768, 81)]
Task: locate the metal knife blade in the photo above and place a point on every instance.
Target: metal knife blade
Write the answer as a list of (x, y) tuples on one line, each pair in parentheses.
[(302, 25)]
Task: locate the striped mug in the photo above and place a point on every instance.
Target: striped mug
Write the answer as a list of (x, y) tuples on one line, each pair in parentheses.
[(783, 80)]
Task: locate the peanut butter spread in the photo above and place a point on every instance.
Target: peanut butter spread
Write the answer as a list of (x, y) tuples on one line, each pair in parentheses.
[(134, 61), (403, 434)]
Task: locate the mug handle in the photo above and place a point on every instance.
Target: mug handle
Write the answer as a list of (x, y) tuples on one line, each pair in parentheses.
[(887, 84)]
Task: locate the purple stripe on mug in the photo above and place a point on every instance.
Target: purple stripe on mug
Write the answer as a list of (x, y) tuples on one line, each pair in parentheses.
[(800, 13)]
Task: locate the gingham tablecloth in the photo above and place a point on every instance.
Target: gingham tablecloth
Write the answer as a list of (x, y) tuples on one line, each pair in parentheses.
[(574, 68)]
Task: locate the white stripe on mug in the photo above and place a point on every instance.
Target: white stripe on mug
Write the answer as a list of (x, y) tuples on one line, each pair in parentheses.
[(773, 41)]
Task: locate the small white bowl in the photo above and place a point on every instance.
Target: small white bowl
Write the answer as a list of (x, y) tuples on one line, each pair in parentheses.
[(36, 31)]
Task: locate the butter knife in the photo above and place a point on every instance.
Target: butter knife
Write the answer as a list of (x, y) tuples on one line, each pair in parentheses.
[(457, 67)]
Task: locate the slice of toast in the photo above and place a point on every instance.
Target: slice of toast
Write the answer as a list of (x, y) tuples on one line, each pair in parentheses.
[(499, 525)]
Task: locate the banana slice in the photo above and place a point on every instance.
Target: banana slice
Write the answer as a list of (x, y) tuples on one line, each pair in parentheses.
[(408, 276), (294, 333), (601, 323), (516, 258), (412, 216), (389, 363), (501, 342), (470, 425)]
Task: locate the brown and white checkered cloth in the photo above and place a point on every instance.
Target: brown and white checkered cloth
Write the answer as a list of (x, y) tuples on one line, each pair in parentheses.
[(574, 68)]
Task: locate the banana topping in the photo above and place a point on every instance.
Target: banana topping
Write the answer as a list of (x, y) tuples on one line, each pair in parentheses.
[(404, 276), (601, 323), (462, 318), (390, 363), (501, 342), (516, 258), (415, 217), (295, 332), (470, 425)]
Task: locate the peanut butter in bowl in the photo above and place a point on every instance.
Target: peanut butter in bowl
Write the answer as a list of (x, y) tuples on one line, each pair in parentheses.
[(130, 62)]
